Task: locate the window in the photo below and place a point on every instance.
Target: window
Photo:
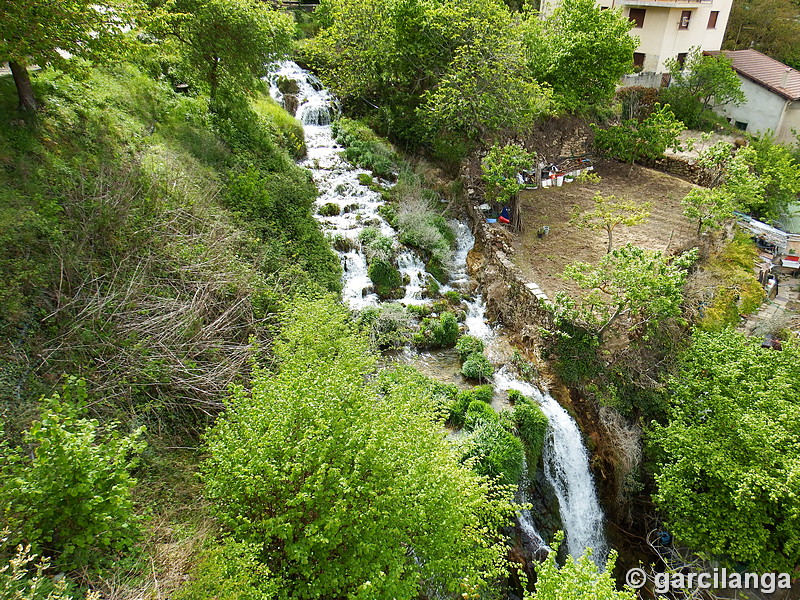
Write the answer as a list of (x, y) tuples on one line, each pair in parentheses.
[(638, 60), (637, 16), (686, 16), (741, 125), (681, 58), (712, 19)]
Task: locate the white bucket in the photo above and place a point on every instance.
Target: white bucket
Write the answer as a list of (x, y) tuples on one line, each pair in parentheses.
[(545, 183), (560, 180)]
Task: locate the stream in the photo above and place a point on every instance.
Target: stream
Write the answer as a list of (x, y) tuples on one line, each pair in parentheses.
[(565, 458)]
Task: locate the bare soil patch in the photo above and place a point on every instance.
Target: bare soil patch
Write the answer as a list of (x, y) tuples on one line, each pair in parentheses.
[(543, 259)]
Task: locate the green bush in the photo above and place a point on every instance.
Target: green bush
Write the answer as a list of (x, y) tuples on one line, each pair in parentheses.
[(69, 493), (477, 367), (467, 344), (531, 423), (365, 179), (385, 277), (499, 453), (439, 333), (365, 149), (477, 413), (388, 325), (24, 578), (231, 571), (331, 209), (484, 393)]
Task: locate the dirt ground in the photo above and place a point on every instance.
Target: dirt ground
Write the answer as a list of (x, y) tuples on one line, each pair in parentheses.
[(543, 259)]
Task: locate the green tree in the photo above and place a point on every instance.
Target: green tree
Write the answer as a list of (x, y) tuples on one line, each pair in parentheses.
[(609, 213), (580, 579), (347, 485), (630, 281), (499, 169), (69, 494), (698, 81), (581, 50), (227, 42), (486, 90), (43, 33), (710, 207), (727, 463), (634, 140), (427, 70)]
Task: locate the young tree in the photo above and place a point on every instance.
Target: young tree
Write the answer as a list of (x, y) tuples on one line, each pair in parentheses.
[(500, 168), (581, 50), (634, 140), (609, 213), (228, 42), (728, 460), (641, 284), (345, 484), (43, 33), (710, 207), (699, 80), (580, 578)]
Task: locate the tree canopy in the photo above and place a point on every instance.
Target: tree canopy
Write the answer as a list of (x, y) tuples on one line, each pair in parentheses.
[(227, 42), (44, 33), (728, 461), (581, 50), (643, 285), (350, 489), (700, 82), (609, 213)]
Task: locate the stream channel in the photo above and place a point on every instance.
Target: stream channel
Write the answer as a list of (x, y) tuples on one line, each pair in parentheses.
[(566, 471)]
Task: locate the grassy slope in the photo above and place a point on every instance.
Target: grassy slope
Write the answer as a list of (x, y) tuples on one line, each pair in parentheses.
[(144, 245)]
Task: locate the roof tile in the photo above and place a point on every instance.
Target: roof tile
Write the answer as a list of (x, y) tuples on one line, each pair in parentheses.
[(765, 71)]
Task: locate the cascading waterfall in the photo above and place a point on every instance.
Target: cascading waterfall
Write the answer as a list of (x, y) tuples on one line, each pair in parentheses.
[(565, 457), (566, 466)]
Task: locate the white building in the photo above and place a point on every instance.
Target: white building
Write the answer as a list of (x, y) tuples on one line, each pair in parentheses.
[(773, 95), (666, 29)]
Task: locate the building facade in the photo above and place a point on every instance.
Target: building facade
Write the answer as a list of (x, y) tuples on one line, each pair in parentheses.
[(772, 90)]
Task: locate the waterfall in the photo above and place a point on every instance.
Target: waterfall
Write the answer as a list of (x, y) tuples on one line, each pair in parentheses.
[(338, 183), (565, 457), (566, 466)]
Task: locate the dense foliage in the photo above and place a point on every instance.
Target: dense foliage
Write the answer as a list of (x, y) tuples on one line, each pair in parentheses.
[(728, 459), (344, 490), (578, 578), (69, 493), (581, 50)]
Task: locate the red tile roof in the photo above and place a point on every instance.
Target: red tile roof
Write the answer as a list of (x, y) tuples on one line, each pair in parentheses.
[(765, 71)]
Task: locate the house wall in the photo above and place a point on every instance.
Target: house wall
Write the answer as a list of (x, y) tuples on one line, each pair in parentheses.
[(761, 112), (791, 120)]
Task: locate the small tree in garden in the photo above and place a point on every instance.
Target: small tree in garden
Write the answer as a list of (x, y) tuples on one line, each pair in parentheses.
[(634, 140), (710, 207), (609, 213), (500, 166), (630, 281), (700, 79)]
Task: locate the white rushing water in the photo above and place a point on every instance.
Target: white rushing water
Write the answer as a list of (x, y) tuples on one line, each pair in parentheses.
[(565, 457), (566, 465)]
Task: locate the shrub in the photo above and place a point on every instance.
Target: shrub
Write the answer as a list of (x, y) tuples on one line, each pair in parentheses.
[(231, 571), (24, 578), (385, 277), (452, 296), (331, 209), (365, 149), (499, 453), (477, 366), (484, 393), (531, 423), (389, 325), (477, 413), (72, 495), (365, 179), (467, 344), (376, 245), (440, 333)]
